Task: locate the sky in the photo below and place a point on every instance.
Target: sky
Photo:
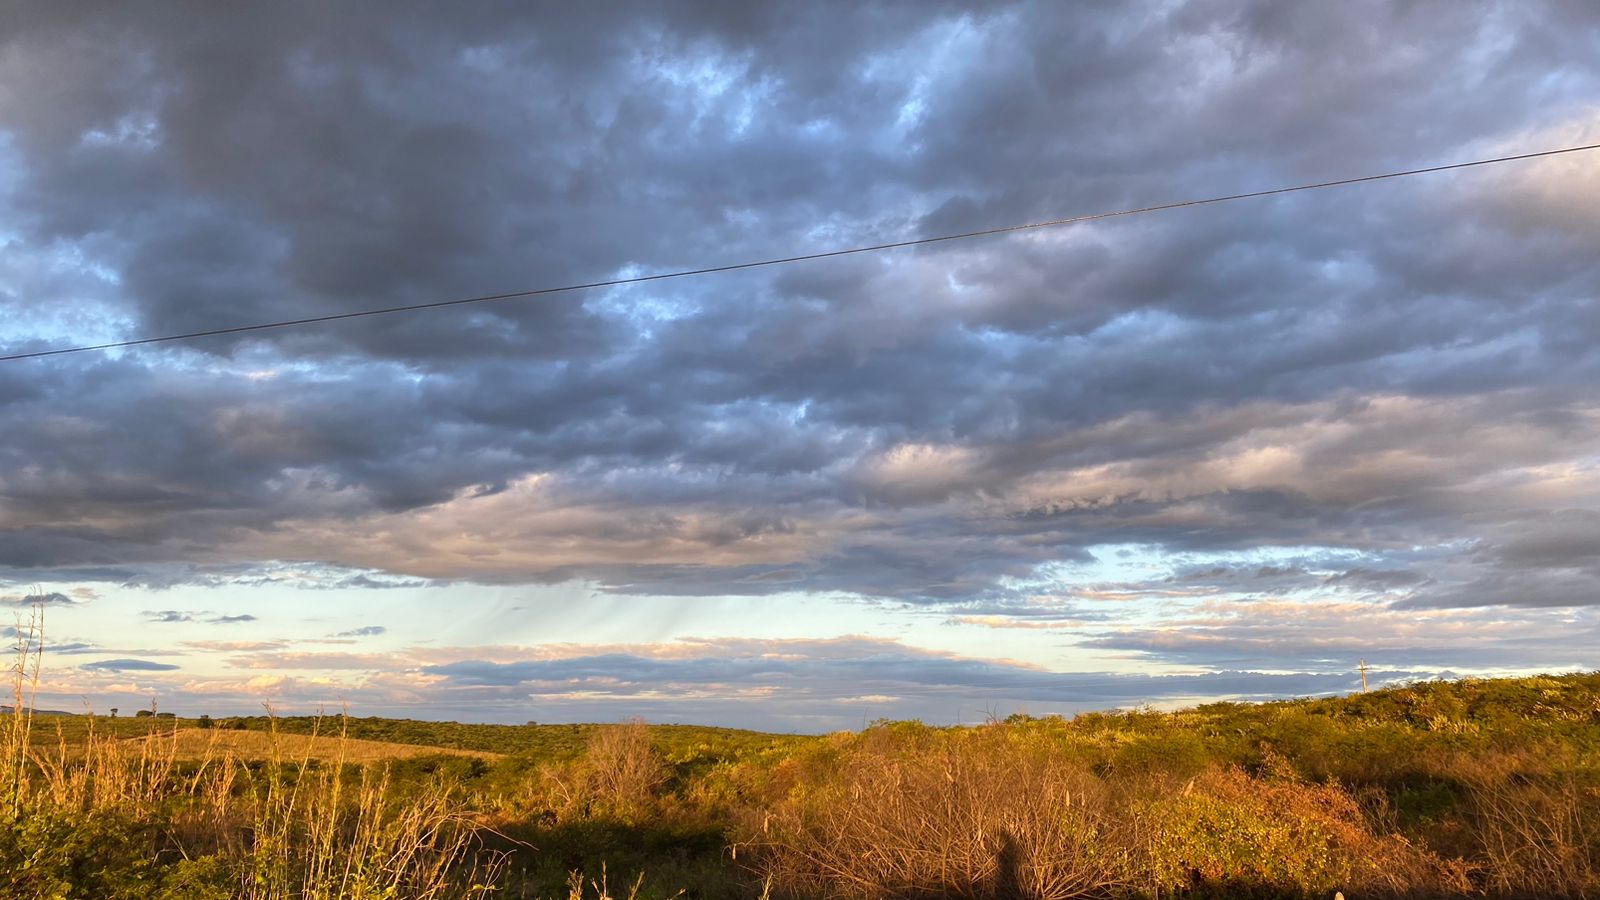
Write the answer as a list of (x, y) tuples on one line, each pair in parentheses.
[(1218, 452)]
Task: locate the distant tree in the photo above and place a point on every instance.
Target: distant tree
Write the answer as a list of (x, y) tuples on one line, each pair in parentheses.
[(143, 714), (113, 712), (162, 715), (204, 721)]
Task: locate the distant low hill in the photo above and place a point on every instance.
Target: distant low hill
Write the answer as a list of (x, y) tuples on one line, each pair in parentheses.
[(1518, 705), (540, 741), (8, 710)]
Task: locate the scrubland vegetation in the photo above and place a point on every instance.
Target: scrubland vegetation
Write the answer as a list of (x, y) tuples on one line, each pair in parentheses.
[(1446, 789)]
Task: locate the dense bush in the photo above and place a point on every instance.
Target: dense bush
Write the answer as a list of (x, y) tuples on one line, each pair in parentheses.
[(964, 815)]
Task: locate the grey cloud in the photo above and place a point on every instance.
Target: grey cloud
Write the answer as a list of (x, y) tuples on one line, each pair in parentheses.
[(1558, 539), (363, 631), (1247, 648), (52, 598), (81, 648), (1550, 589), (1332, 636), (182, 172), (304, 576), (128, 665), (169, 616), (56, 646), (1001, 606), (1541, 558), (1318, 574), (846, 669), (1375, 579)]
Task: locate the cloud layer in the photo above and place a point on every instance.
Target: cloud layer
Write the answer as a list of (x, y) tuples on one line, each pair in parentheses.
[(1390, 386)]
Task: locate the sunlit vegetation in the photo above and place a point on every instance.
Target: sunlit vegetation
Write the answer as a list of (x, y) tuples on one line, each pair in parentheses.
[(1448, 789)]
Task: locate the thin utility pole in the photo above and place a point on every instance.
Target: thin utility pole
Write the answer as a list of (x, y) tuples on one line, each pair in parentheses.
[(1363, 676)]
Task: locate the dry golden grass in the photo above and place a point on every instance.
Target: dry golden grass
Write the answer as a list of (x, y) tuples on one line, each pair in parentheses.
[(291, 829), (994, 814), (1538, 819), (88, 817), (972, 816)]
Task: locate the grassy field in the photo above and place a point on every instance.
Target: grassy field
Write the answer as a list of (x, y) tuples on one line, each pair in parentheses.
[(406, 737), (1442, 789), (546, 742), (195, 744)]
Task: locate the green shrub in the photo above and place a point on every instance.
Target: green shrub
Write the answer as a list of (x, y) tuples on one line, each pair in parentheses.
[(58, 854), (1227, 829)]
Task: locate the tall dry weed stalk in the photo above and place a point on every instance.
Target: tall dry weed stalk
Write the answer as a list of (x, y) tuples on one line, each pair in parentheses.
[(334, 831), (619, 776), (582, 888), (623, 768), (134, 777), (26, 658), (1537, 818)]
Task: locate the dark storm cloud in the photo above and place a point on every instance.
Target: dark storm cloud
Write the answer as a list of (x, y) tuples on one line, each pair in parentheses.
[(1378, 368)]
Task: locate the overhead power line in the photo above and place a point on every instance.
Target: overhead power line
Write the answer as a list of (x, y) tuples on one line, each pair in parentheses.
[(779, 261)]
